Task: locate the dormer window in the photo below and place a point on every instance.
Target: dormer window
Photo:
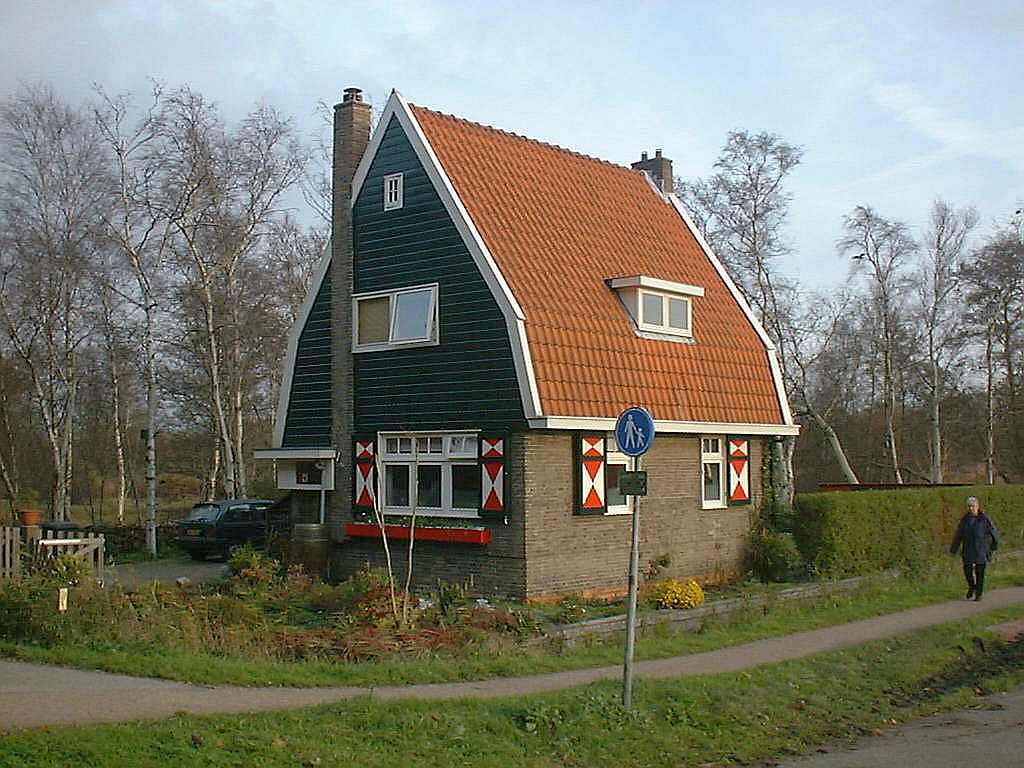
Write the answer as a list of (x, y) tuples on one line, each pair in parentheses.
[(393, 191), (659, 308)]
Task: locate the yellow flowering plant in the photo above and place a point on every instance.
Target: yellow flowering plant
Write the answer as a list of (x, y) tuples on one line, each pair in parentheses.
[(675, 593)]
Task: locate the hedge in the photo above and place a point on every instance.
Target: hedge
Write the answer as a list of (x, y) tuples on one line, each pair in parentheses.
[(845, 533)]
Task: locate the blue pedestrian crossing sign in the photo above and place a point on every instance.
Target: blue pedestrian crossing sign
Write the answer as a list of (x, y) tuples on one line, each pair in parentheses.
[(634, 431)]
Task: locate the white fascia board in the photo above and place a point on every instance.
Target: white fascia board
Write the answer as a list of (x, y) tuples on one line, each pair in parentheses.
[(510, 309), (270, 454), (655, 284), (673, 427), (319, 273), (780, 387)]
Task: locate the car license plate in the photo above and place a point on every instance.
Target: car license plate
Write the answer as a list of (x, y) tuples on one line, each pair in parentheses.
[(192, 532)]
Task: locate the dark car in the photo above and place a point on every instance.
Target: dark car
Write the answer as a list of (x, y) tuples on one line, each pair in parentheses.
[(217, 527)]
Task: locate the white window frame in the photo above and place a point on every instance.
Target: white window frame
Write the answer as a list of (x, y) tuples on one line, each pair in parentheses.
[(708, 457), (631, 291), (392, 447), (429, 340), (663, 326), (394, 191), (614, 456)]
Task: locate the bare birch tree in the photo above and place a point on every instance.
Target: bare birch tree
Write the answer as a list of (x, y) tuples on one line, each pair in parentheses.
[(882, 247), (52, 186), (741, 209), (940, 310)]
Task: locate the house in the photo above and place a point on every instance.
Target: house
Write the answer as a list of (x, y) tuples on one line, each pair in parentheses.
[(490, 305)]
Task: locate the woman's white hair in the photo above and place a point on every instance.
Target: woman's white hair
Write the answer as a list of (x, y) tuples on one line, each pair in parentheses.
[(972, 500)]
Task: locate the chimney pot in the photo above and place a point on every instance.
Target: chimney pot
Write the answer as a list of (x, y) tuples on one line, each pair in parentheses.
[(659, 168), (352, 94)]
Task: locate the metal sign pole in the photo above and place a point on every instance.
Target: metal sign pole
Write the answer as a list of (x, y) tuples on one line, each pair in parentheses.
[(634, 567)]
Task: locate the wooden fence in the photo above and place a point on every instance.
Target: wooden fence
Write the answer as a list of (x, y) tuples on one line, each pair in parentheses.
[(10, 552), (87, 547)]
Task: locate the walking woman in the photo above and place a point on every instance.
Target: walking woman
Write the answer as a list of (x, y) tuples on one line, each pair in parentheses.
[(976, 538)]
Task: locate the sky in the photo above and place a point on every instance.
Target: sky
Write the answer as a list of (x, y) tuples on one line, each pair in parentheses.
[(894, 104)]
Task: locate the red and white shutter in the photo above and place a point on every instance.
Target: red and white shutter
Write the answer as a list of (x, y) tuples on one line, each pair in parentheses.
[(738, 459), (590, 456), (364, 486), (492, 473)]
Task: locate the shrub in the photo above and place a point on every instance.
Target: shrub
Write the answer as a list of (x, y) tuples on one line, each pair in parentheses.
[(844, 533), (772, 556), (678, 594), (252, 567)]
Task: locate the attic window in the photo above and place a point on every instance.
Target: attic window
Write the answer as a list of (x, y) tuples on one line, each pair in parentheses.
[(394, 184), (390, 319), (658, 307)]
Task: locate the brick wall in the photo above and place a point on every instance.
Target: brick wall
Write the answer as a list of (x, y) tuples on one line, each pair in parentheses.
[(544, 549), (497, 569), (567, 553)]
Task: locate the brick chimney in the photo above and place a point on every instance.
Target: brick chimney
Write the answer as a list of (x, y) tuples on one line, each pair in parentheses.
[(659, 168), (351, 136)]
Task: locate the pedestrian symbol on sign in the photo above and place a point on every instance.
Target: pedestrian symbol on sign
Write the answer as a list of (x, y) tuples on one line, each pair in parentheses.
[(634, 431)]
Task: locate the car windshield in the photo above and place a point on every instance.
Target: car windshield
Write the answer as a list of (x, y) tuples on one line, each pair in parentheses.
[(201, 512)]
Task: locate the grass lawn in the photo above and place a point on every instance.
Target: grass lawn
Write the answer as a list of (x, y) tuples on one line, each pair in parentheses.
[(485, 660), (768, 712)]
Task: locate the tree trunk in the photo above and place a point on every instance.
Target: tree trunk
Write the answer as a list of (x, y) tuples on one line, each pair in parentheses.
[(990, 411), (211, 481), (151, 418), (782, 480), (890, 413), (8, 467), (936, 426), (115, 394), (238, 403), (217, 392), (836, 446)]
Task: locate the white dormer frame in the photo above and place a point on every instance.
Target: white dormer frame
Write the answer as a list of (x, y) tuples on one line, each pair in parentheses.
[(633, 289)]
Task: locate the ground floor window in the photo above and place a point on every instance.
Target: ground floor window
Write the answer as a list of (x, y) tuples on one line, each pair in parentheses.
[(433, 474), (616, 463), (712, 463)]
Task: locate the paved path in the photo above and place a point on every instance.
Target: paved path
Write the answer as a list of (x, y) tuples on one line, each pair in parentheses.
[(131, 575), (987, 735), (36, 695)]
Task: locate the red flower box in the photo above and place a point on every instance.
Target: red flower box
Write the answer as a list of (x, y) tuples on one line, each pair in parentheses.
[(427, 533)]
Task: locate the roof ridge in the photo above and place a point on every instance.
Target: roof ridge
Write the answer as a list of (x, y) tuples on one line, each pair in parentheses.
[(512, 134)]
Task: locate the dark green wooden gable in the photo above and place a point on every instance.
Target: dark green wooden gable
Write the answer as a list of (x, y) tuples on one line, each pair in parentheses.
[(469, 380), (308, 421)]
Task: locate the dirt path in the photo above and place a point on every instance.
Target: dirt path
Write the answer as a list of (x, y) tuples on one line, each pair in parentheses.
[(130, 575), (36, 695)]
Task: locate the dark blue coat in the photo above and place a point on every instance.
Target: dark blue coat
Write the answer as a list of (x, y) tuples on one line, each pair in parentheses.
[(977, 535)]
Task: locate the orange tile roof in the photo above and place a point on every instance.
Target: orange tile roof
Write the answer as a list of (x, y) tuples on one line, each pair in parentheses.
[(558, 224)]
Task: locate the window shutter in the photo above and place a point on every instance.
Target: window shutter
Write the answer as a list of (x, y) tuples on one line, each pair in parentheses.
[(365, 476), (589, 458), (738, 460), (491, 452)]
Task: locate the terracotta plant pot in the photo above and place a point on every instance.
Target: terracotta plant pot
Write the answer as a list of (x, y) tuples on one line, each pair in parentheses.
[(30, 516)]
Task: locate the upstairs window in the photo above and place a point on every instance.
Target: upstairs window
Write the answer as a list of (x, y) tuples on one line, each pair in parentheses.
[(389, 319), (394, 184), (659, 308)]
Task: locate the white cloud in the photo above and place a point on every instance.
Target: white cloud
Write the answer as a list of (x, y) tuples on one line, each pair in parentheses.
[(955, 135)]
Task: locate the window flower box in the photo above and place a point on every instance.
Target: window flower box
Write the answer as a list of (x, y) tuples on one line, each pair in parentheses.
[(424, 533)]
